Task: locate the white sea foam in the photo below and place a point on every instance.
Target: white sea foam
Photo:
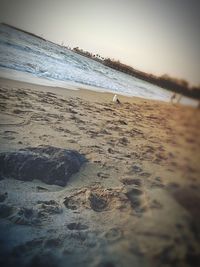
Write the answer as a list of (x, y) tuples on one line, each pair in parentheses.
[(46, 63)]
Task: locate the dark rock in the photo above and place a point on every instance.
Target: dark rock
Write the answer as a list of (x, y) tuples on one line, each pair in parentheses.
[(46, 163)]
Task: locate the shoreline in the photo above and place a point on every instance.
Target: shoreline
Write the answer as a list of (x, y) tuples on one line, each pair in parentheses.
[(76, 91), (29, 78)]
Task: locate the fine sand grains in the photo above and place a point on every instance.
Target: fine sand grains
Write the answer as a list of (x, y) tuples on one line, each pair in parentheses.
[(135, 200)]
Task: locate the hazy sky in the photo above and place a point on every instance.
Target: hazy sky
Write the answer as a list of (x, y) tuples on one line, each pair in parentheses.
[(157, 36)]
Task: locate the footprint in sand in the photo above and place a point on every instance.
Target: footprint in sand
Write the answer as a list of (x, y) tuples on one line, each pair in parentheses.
[(9, 135), (136, 169), (136, 182), (113, 234), (145, 174), (111, 151), (30, 216), (48, 207), (103, 175), (97, 202), (134, 196), (70, 203), (157, 183), (123, 141), (77, 226), (25, 216), (97, 198), (173, 186)]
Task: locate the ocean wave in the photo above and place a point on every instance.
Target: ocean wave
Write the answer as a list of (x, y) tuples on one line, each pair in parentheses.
[(23, 52)]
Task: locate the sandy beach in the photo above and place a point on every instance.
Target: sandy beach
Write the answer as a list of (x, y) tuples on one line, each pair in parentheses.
[(134, 202)]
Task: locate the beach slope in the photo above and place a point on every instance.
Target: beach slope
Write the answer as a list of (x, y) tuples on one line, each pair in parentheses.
[(134, 201)]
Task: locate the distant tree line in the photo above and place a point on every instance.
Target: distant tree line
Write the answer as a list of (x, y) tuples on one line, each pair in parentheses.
[(179, 86), (88, 54)]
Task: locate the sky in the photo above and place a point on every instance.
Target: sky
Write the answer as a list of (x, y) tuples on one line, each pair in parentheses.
[(155, 36)]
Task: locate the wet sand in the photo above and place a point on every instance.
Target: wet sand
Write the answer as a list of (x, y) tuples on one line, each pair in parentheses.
[(135, 202)]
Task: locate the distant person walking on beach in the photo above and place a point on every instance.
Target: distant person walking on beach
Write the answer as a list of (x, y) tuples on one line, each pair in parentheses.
[(175, 97), (116, 100)]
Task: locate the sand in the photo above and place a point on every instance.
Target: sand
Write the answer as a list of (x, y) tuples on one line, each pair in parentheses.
[(135, 202)]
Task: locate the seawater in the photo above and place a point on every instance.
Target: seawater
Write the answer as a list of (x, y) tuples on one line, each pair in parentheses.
[(22, 52)]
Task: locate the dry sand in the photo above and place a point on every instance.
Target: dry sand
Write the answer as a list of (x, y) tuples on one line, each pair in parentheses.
[(143, 171)]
